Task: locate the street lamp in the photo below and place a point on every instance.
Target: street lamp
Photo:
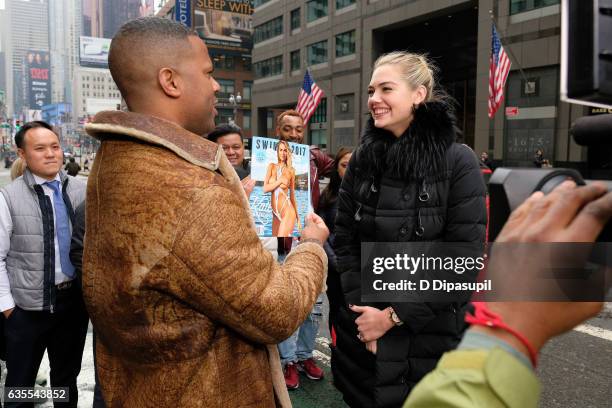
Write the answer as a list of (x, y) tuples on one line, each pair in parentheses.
[(234, 101)]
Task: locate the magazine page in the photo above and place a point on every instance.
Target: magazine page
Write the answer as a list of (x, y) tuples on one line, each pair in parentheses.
[(281, 198)]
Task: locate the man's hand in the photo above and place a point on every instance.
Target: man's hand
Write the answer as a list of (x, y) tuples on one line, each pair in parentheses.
[(315, 228), (567, 214), (372, 324), (371, 346), (248, 184), (7, 313)]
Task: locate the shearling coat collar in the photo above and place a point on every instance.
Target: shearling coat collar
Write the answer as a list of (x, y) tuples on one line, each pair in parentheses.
[(189, 146), (418, 153), (146, 128)]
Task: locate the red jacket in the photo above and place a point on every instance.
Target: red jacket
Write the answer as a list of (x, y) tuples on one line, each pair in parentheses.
[(321, 165)]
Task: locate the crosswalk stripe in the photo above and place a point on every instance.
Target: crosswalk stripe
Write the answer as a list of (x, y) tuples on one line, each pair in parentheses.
[(595, 331)]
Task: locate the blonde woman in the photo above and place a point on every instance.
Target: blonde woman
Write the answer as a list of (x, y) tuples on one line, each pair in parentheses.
[(17, 168), (280, 181), (407, 181)]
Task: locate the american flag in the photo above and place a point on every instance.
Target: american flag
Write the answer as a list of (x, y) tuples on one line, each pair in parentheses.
[(309, 98), (499, 68)]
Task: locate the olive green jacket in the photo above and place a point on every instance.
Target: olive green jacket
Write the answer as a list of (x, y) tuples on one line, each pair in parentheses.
[(477, 378)]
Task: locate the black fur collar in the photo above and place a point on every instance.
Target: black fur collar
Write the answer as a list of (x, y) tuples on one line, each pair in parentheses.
[(418, 153)]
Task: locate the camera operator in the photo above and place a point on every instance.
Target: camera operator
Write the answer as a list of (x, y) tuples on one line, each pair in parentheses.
[(494, 366)]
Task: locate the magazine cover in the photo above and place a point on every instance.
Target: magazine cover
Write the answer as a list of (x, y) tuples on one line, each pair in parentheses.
[(280, 200)]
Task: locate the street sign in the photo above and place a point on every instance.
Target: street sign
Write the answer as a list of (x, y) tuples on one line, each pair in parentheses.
[(512, 111), (183, 12)]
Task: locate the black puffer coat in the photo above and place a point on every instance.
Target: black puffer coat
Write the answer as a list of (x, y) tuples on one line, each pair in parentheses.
[(420, 186)]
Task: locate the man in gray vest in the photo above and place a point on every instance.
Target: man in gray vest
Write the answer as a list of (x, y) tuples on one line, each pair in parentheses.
[(40, 294)]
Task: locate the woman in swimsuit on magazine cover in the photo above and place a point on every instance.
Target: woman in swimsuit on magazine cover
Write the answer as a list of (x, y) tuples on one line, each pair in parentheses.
[(280, 181)]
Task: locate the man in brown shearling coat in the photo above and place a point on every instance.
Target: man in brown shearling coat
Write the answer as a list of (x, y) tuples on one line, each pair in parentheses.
[(184, 299)]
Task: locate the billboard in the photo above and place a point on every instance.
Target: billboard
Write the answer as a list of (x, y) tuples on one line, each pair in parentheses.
[(226, 26), (93, 52), (38, 77), (95, 105)]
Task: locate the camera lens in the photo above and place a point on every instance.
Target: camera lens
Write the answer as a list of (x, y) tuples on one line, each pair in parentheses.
[(554, 178)]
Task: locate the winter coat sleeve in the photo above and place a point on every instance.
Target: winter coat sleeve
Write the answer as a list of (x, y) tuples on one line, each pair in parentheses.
[(477, 378), (233, 280), (347, 245), (467, 213), (328, 216)]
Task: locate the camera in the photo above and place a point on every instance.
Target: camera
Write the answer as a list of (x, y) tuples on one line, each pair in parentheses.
[(509, 187), (586, 78)]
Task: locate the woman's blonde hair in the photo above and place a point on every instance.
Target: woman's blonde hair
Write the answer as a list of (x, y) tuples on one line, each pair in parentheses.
[(17, 168), (415, 69), (289, 158)]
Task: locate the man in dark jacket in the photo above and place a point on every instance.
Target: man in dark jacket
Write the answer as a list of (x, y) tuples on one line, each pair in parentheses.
[(72, 168), (290, 126), (229, 136)]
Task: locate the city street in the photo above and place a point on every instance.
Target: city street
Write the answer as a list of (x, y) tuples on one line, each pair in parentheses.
[(574, 368)]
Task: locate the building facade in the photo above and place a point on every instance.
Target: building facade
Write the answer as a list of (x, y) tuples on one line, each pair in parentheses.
[(94, 91), (23, 36), (339, 40), (227, 29), (92, 18), (65, 24), (117, 12), (5, 111)]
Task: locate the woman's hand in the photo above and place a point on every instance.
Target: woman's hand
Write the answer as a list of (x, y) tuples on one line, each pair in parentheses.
[(285, 182), (371, 346), (372, 324)]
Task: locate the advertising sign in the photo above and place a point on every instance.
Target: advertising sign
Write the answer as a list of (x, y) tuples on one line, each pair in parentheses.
[(280, 199), (226, 25), (94, 52), (183, 12), (95, 105), (599, 111), (38, 78)]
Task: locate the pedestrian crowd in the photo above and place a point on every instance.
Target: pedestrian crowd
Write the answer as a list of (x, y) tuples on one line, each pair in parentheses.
[(191, 308)]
